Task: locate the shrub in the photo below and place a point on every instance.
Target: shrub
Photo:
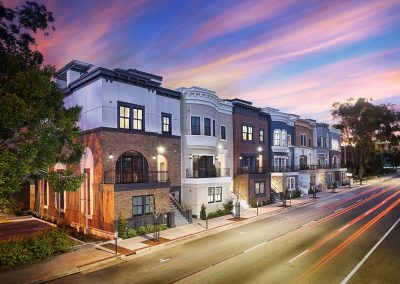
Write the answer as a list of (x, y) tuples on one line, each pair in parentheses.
[(142, 230), (203, 215), (36, 247), (228, 206)]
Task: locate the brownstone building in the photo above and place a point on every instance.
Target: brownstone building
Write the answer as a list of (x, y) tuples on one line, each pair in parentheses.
[(251, 150), (132, 161)]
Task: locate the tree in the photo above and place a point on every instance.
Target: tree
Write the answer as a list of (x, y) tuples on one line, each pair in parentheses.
[(363, 125), (36, 129)]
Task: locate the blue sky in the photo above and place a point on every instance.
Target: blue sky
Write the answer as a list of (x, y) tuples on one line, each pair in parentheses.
[(297, 56)]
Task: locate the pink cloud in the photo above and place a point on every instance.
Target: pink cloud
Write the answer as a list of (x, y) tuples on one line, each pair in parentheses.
[(238, 17)]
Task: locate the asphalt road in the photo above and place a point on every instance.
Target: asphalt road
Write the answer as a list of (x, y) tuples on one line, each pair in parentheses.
[(319, 243)]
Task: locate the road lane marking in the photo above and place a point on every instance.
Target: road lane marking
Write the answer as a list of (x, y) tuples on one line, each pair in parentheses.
[(368, 254), (337, 210), (342, 228), (164, 260), (359, 200), (309, 223), (296, 257), (254, 247)]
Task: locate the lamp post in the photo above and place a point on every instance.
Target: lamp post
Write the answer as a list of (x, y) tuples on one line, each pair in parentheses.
[(116, 238)]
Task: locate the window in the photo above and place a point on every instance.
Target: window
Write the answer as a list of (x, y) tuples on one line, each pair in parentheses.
[(223, 132), (284, 137), (322, 142), (289, 140), (142, 205), (277, 138), (259, 187), (211, 196), (309, 142), (214, 194), (279, 164), (247, 133), (124, 117), (261, 135), (303, 140), (195, 122), (207, 126), (290, 183), (149, 204), (214, 128), (45, 193), (218, 194), (166, 123), (335, 144), (138, 118), (137, 205)]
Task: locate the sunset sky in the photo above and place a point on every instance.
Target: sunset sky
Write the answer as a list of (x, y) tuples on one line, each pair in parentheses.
[(297, 56)]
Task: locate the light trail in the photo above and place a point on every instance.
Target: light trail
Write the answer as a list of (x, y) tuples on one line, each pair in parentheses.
[(348, 241)]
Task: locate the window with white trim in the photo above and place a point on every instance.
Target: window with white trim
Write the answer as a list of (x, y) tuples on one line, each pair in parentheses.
[(291, 183), (289, 140), (137, 118), (277, 137), (284, 138), (211, 194)]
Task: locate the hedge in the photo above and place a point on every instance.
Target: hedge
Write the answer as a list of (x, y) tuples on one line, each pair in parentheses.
[(126, 232), (36, 247)]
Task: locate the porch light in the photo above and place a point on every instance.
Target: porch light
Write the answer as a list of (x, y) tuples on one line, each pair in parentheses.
[(110, 156), (240, 157), (190, 156), (216, 157), (154, 157), (259, 149), (161, 150)]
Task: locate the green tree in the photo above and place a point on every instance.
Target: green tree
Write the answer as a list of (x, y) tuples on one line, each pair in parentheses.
[(364, 126), (36, 129)]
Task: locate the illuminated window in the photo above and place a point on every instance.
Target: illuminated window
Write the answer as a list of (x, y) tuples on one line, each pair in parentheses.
[(259, 187), (124, 117), (166, 123), (138, 118), (261, 135), (247, 133), (289, 140)]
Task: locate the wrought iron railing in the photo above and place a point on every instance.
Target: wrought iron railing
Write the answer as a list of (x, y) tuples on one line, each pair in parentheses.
[(208, 172), (111, 176), (282, 169), (251, 170)]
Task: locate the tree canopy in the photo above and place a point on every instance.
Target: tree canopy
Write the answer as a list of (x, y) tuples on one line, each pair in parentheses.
[(364, 125), (36, 129)]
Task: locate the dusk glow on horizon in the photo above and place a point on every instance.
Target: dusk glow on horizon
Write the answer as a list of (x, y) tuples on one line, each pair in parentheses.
[(297, 56)]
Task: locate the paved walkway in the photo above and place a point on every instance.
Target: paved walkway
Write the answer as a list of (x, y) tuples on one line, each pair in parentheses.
[(91, 256)]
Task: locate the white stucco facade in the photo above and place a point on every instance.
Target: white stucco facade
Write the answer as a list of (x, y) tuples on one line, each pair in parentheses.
[(207, 154)]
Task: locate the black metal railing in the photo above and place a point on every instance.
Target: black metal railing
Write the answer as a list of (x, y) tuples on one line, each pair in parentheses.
[(330, 166), (135, 176), (208, 172), (282, 169), (251, 170), (306, 167)]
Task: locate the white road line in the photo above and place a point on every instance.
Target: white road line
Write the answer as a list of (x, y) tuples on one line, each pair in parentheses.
[(163, 260), (369, 253), (296, 257), (358, 200), (342, 228), (256, 246), (337, 210), (308, 223)]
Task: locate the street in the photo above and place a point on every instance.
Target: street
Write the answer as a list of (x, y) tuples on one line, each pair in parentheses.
[(319, 243)]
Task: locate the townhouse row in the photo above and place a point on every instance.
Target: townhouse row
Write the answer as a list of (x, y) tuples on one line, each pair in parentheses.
[(151, 149)]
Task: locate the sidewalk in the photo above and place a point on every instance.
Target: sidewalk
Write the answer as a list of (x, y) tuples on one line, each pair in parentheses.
[(91, 256)]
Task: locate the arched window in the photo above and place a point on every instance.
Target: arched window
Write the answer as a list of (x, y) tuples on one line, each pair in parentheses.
[(277, 137), (131, 168), (284, 138)]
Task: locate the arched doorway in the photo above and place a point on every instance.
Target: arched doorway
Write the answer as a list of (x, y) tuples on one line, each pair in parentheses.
[(131, 167), (303, 162), (335, 161)]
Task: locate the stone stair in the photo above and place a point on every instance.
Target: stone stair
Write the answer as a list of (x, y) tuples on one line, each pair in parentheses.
[(180, 220)]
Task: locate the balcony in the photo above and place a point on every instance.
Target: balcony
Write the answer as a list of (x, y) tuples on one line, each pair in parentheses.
[(283, 169), (251, 170), (328, 167), (208, 172), (134, 177)]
